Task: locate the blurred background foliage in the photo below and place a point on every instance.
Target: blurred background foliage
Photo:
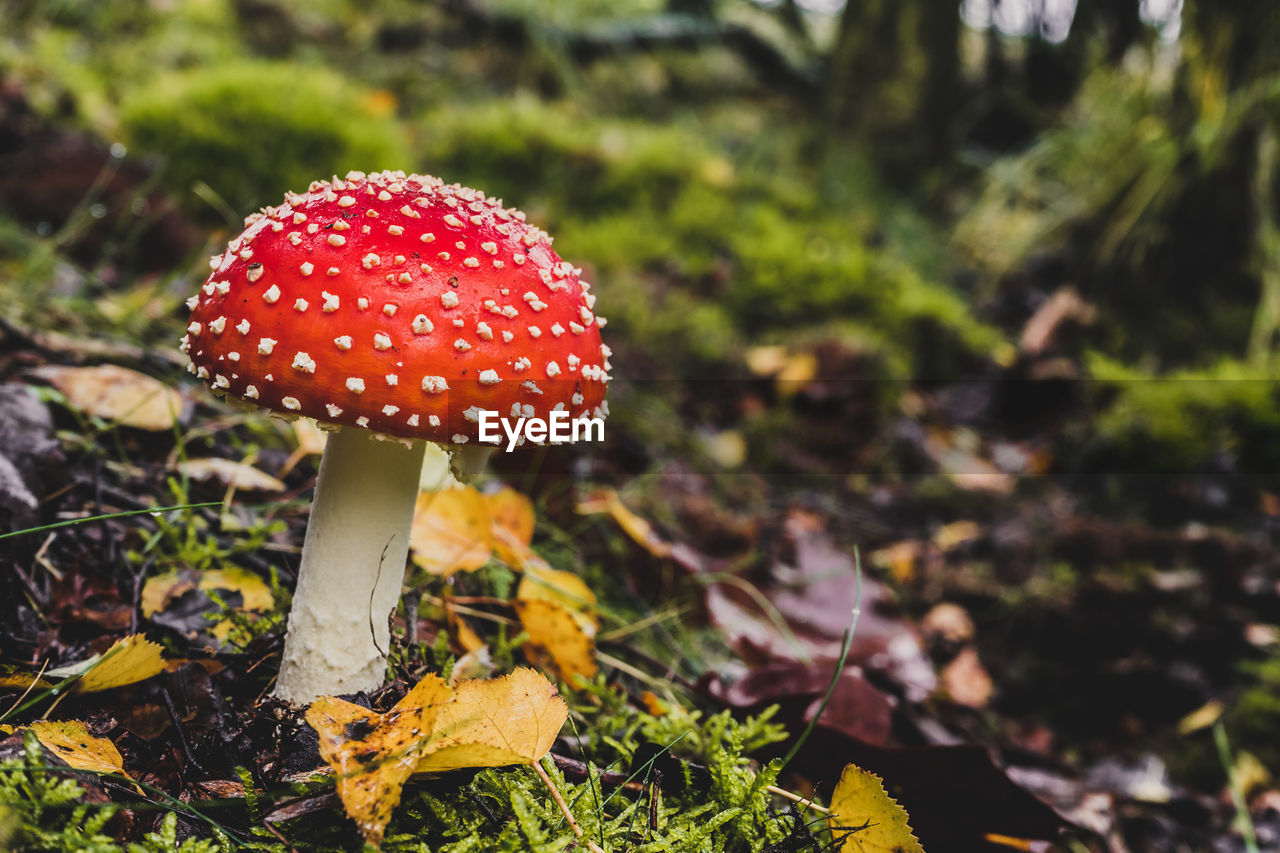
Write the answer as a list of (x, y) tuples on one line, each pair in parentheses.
[(906, 181)]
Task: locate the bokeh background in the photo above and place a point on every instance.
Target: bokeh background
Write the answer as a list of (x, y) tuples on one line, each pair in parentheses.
[(988, 289)]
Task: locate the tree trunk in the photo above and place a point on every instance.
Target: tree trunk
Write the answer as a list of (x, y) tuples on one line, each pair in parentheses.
[(892, 75)]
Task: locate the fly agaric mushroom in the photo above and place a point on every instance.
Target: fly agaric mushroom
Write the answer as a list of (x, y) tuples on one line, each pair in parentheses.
[(393, 309)]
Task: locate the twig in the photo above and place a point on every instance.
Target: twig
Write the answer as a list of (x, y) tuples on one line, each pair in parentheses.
[(41, 558), (669, 673), (623, 666), (564, 809), (804, 802), (574, 767), (30, 687), (271, 829), (180, 732), (468, 611)]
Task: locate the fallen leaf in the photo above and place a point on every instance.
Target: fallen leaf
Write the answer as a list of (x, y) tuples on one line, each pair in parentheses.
[(948, 537), (607, 501), (797, 372), (476, 664), (81, 597), (159, 590), (511, 515), (72, 742), (949, 623), (195, 603), (805, 618), (966, 681), (656, 706), (310, 440), (1040, 331), (955, 794), (20, 679), (451, 531), (899, 558), (434, 728), (766, 360), (236, 475), (556, 639), (857, 707), (374, 754), (727, 448), (544, 598), (964, 468), (116, 394), (1201, 718), (543, 583), (495, 722), (461, 630), (867, 818), (132, 659)]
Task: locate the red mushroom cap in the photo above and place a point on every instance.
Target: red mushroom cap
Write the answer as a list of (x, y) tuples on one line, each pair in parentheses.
[(400, 304)]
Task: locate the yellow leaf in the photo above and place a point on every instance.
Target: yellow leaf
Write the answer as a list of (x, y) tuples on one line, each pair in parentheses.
[(900, 558), (159, 590), (135, 658), (513, 512), (381, 102), (512, 519), (951, 536), (799, 370), (868, 819), (556, 639), (461, 629), (543, 583), (512, 525), (451, 531), (766, 360), (607, 500), (1201, 718), (490, 723), (17, 678), (229, 473), (116, 394), (494, 722), (72, 742), (373, 754)]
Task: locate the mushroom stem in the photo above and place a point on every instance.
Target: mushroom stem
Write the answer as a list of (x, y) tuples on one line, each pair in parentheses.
[(353, 562), (469, 460)]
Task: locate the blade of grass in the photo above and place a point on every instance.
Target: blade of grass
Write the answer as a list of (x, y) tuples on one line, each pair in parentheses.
[(125, 514), (1243, 820), (844, 656)]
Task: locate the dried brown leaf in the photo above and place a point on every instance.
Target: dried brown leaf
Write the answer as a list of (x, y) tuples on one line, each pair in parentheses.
[(116, 394)]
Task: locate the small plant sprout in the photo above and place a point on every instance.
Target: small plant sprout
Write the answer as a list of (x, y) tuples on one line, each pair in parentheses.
[(393, 309)]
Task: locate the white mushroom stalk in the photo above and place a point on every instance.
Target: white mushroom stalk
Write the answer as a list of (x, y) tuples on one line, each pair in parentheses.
[(352, 567)]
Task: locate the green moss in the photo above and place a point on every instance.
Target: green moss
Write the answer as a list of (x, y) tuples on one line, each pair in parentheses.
[(706, 243), (252, 130), (1178, 420), (545, 154)]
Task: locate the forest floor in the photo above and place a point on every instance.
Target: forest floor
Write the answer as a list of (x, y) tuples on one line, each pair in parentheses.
[(1046, 657)]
